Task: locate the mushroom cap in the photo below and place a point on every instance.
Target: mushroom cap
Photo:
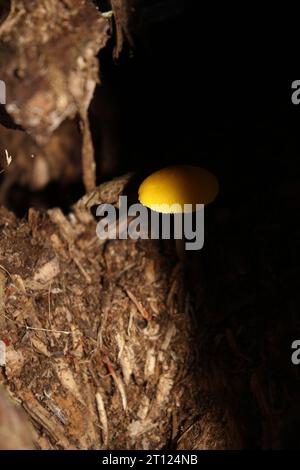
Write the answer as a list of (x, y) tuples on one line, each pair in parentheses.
[(178, 185)]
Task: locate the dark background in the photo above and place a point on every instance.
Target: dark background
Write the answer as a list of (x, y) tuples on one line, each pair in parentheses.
[(197, 90)]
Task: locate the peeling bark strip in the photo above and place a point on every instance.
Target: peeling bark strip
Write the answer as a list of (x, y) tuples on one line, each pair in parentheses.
[(123, 9), (134, 18), (88, 160), (48, 62)]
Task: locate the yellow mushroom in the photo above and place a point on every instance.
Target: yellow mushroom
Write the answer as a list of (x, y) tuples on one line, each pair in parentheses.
[(171, 189), (178, 185)]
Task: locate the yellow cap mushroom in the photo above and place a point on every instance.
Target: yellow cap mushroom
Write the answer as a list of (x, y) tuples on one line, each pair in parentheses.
[(178, 185)]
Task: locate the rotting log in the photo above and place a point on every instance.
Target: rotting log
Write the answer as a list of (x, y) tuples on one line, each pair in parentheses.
[(101, 336)]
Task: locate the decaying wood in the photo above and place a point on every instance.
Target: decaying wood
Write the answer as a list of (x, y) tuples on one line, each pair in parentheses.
[(48, 62), (106, 193), (98, 352)]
